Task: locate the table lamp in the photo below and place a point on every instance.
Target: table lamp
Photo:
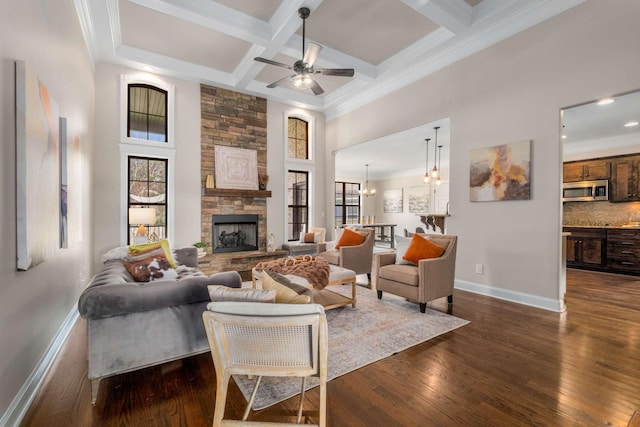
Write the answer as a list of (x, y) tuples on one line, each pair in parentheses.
[(142, 217)]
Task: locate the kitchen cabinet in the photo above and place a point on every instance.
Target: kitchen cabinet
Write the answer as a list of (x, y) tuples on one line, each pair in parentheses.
[(586, 170), (623, 250), (625, 179), (586, 247)]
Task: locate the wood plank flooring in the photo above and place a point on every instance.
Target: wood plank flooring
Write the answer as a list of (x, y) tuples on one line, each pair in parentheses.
[(513, 365)]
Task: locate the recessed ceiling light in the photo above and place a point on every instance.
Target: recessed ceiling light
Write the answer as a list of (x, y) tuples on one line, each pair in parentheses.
[(148, 68), (606, 101), (631, 124)]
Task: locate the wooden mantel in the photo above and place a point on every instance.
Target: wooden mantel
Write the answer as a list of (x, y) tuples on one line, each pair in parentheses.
[(229, 192), (434, 220)]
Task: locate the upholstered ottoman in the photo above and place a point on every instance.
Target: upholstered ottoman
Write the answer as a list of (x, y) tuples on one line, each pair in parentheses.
[(325, 297)]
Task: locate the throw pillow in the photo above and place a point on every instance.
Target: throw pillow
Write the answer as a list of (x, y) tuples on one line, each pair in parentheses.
[(119, 253), (284, 294), (402, 244), (422, 248), (149, 267), (164, 244), (350, 238), (225, 293), (309, 237)]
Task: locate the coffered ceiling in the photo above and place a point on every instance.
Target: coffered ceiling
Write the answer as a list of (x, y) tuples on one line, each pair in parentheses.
[(389, 43)]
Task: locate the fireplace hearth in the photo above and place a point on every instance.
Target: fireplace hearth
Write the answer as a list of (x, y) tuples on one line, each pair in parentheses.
[(234, 233)]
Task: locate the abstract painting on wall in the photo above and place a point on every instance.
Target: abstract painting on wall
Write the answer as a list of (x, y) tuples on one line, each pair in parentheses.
[(392, 201), (418, 199), (37, 170), (501, 172)]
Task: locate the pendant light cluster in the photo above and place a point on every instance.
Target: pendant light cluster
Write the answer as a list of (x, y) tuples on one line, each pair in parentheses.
[(435, 172), (366, 192)]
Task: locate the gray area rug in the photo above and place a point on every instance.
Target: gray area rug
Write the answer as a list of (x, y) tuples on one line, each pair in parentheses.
[(375, 329)]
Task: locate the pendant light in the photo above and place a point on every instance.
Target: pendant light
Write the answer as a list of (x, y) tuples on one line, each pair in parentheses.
[(435, 173), (438, 180), (426, 163), (367, 191)]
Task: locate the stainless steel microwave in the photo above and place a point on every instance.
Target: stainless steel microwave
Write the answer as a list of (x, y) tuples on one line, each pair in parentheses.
[(585, 191)]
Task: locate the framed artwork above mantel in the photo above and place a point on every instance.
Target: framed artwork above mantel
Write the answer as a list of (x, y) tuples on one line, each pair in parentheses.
[(236, 168)]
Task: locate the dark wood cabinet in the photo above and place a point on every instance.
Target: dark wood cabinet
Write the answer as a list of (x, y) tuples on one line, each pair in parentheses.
[(586, 170), (625, 179), (586, 247), (623, 250)]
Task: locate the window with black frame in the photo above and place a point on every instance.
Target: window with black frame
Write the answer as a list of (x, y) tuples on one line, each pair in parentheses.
[(147, 113), (347, 203), (298, 203), (147, 199)]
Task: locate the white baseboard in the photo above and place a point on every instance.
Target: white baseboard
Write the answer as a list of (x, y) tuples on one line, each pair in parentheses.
[(512, 296), (18, 408)]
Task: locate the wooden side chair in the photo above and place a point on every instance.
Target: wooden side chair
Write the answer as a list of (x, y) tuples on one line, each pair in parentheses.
[(258, 339)]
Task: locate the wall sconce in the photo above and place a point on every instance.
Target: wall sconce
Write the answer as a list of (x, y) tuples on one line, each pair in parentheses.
[(141, 217)]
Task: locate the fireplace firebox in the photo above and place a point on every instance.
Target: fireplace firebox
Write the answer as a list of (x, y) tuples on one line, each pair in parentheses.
[(234, 233)]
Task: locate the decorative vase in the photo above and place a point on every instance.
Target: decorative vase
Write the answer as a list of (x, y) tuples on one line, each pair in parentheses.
[(271, 242)]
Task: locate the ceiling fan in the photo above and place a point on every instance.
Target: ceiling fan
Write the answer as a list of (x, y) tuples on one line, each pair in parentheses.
[(304, 69)]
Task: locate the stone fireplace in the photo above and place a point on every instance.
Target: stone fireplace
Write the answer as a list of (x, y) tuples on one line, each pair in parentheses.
[(235, 120), (234, 233)]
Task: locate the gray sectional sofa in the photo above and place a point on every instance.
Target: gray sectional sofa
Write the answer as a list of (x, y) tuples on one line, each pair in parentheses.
[(134, 325)]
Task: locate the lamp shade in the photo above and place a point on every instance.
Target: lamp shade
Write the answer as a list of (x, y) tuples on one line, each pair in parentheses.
[(142, 216)]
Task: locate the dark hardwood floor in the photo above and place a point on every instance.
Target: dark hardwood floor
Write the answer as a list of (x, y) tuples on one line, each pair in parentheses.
[(513, 365)]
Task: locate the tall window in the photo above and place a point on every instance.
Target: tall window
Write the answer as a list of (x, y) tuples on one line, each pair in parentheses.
[(147, 188), (147, 112), (347, 204), (298, 144), (298, 203)]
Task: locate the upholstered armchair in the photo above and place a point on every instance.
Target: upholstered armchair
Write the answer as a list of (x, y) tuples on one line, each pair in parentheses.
[(431, 279), (357, 257)]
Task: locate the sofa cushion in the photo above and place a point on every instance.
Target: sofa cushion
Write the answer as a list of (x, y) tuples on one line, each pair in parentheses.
[(164, 244), (224, 293), (286, 293), (421, 248), (149, 266), (402, 273), (350, 238)]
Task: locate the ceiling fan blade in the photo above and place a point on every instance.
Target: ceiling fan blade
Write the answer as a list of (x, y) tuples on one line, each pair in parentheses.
[(271, 62), (280, 82), (344, 72), (310, 56), (316, 89)]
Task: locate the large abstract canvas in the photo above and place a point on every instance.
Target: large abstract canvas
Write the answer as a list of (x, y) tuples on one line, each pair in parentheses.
[(392, 202), (419, 199), (501, 172), (37, 170)]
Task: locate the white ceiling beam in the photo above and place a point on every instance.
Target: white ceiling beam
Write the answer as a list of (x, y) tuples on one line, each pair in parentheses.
[(454, 15)]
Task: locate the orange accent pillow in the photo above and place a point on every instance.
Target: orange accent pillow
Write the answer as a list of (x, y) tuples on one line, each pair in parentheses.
[(421, 248), (350, 238)]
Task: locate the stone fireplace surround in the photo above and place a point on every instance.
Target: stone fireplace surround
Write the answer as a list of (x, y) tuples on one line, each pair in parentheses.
[(237, 120)]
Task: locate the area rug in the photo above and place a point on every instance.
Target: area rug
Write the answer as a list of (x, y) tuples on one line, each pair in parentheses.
[(375, 329)]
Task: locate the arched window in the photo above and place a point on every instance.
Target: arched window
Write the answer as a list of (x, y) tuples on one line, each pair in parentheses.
[(147, 112), (298, 135)]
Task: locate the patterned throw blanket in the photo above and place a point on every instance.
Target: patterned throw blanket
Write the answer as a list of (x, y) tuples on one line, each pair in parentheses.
[(314, 269)]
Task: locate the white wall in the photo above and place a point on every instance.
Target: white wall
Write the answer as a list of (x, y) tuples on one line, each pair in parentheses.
[(277, 168), (110, 215), (35, 304), (511, 92)]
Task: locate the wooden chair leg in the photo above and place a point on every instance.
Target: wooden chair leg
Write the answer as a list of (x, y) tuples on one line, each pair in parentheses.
[(423, 307), (450, 299), (221, 399), (379, 294)]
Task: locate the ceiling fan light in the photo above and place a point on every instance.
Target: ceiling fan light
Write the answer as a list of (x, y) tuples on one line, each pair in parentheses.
[(302, 81)]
